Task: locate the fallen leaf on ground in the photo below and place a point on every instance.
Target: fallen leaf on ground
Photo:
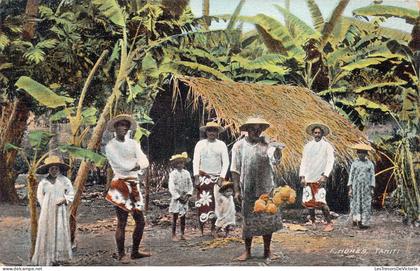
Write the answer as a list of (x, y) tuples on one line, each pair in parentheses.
[(295, 227)]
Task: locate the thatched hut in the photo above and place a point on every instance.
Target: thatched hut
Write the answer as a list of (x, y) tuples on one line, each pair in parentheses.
[(190, 101)]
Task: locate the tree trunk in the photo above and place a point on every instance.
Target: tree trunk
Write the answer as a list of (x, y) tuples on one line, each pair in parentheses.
[(83, 171), (206, 13), (13, 118), (31, 12), (32, 187)]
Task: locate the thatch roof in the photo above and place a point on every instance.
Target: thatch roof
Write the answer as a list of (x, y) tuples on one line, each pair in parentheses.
[(289, 109)]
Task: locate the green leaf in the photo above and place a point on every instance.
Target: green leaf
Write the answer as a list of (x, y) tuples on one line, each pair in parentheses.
[(316, 15), (409, 15), (360, 101), (8, 147), (81, 153), (4, 41), (45, 11), (379, 85), (140, 132), (148, 63), (235, 15), (332, 91), (62, 114), (300, 30), (41, 93), (203, 68), (35, 55), (275, 35), (47, 44), (89, 116), (259, 65), (39, 138), (112, 10), (363, 63), (371, 28)]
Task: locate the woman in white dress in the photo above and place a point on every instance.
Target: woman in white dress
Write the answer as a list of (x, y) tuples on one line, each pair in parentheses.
[(55, 192)]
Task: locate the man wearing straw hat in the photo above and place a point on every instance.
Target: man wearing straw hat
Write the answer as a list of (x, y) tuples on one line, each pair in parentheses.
[(126, 159), (252, 168), (316, 165), (210, 166)]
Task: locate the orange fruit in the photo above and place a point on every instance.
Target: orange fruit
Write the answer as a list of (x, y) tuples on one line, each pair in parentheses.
[(271, 208), (259, 206), (264, 197)]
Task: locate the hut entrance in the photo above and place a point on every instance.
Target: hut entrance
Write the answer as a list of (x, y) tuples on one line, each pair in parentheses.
[(176, 128)]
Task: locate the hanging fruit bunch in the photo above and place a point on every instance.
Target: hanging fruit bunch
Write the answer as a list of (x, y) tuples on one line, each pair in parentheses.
[(282, 194)]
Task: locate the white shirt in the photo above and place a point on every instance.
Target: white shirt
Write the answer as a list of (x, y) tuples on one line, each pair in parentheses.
[(211, 157), (124, 156), (317, 160)]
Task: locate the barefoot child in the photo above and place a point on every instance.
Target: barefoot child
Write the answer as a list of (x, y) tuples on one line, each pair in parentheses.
[(181, 189), (55, 193), (361, 184), (225, 207)]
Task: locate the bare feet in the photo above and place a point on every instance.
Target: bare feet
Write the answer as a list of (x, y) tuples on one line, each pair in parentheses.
[(174, 238), (139, 255), (214, 234), (124, 259), (244, 256), (182, 237), (329, 227), (267, 255)]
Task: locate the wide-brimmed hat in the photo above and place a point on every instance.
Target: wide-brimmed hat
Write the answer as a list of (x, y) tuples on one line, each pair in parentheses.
[(212, 124), (362, 147), (225, 185), (312, 126), (118, 118), (253, 121), (50, 161), (180, 156)]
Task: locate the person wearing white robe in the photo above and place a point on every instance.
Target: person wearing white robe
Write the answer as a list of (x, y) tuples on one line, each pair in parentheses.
[(127, 161), (315, 168), (181, 189), (55, 192), (210, 166)]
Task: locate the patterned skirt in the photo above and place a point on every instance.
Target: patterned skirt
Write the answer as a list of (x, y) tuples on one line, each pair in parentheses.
[(125, 195), (205, 198), (313, 196)]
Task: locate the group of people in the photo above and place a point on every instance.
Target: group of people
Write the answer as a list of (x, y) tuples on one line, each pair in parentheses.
[(252, 170)]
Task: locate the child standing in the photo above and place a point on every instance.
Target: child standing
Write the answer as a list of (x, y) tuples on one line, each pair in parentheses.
[(361, 186), (225, 207), (55, 192), (181, 189)]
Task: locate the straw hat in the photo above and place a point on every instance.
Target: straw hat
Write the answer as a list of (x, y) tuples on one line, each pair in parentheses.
[(211, 124), (225, 185), (323, 127), (177, 157), (50, 161), (362, 147), (118, 118), (253, 121)]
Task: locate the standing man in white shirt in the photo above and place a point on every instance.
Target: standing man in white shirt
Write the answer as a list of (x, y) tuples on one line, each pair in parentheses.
[(315, 168), (210, 166), (127, 161)]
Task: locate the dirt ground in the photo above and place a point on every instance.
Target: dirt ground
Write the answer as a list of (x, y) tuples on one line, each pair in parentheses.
[(387, 242)]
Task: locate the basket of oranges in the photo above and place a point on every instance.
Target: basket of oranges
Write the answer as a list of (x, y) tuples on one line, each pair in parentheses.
[(270, 204)]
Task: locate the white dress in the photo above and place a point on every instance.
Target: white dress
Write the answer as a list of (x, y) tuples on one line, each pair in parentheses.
[(225, 209), (179, 184), (53, 238)]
